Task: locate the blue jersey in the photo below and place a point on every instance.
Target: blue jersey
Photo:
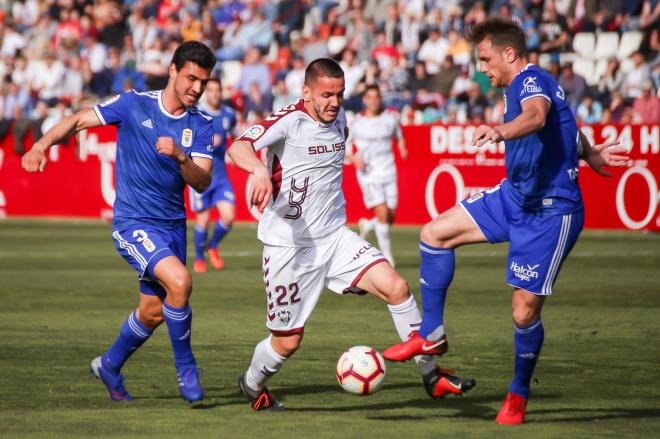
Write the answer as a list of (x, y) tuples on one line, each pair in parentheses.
[(149, 185), (542, 167), (224, 123)]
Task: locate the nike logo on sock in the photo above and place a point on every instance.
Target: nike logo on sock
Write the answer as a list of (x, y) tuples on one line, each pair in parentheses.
[(427, 348)]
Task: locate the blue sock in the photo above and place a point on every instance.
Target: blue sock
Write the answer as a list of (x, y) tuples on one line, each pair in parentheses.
[(436, 273), (179, 325), (218, 233), (132, 335), (200, 242), (528, 342)]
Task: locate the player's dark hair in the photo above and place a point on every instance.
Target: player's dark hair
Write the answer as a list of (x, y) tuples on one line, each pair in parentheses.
[(322, 67), (196, 52), (502, 32), (372, 87)]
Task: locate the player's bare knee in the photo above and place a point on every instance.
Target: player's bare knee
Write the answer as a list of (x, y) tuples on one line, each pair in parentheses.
[(435, 234), (287, 345), (399, 291), (180, 285), (150, 316), (524, 315)]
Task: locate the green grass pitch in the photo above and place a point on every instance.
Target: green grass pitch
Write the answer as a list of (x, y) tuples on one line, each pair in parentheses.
[(65, 292)]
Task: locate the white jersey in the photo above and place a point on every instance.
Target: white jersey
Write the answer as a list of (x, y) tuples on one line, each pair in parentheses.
[(373, 138), (305, 158)]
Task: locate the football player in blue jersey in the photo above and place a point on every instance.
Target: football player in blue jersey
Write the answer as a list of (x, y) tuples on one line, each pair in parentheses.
[(221, 193), (538, 209), (163, 142)]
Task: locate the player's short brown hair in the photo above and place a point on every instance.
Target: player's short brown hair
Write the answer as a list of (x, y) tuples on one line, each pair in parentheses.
[(322, 67), (502, 32)]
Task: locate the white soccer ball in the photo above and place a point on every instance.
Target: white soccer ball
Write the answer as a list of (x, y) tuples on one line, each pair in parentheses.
[(361, 370)]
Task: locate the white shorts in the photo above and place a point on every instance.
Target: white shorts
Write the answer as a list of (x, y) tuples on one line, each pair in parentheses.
[(296, 276), (380, 193)]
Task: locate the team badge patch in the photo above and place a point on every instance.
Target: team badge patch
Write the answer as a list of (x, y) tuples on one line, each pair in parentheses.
[(186, 138), (110, 100), (254, 132), (284, 316)]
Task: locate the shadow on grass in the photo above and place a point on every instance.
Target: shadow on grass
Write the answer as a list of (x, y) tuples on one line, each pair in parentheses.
[(590, 414)]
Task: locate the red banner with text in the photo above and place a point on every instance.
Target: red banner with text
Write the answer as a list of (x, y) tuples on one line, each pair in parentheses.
[(442, 169)]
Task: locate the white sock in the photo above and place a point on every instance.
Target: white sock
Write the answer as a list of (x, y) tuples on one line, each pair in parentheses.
[(384, 243), (265, 363), (407, 318)]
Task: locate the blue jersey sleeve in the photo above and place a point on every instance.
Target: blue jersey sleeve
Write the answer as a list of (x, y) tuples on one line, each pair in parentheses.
[(113, 110), (533, 85), (203, 143)]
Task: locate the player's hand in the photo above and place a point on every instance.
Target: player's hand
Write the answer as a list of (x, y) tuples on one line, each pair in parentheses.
[(359, 162), (484, 134), (261, 188), (167, 146), (607, 154), (34, 160)]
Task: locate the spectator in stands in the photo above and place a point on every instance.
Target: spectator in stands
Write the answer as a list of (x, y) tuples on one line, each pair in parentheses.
[(628, 18), (331, 26), (12, 41), (257, 101), (443, 81), (419, 80), (353, 72), (433, 51), (191, 28), (254, 70), (296, 77), (385, 54), (315, 48), (530, 27), (611, 80), (462, 84), (281, 96), (581, 15), (458, 48), (646, 107), (632, 84), (411, 28), (589, 111), (257, 32), (73, 82), (232, 47), (617, 106), (554, 32), (46, 78), (574, 85)]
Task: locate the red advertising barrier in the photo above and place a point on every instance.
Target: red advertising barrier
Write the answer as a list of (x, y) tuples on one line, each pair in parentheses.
[(442, 169)]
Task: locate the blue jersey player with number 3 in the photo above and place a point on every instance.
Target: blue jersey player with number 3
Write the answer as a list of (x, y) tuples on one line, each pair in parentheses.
[(538, 209), (163, 142)]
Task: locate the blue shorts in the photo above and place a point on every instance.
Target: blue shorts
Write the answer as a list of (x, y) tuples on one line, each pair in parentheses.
[(220, 190), (539, 242), (144, 246)]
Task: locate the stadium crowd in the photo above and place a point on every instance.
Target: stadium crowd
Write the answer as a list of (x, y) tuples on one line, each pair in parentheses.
[(60, 55)]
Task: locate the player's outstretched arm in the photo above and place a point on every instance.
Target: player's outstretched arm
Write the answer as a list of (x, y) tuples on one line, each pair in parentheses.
[(604, 154), (195, 171), (531, 119), (35, 159), (244, 156)]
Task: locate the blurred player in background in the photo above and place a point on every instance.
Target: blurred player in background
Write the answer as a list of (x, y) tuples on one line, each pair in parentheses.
[(372, 132), (538, 209), (221, 193), (307, 246), (163, 142)]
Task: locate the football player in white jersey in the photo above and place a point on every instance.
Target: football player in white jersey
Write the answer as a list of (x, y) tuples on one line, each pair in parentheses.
[(372, 133), (307, 246)]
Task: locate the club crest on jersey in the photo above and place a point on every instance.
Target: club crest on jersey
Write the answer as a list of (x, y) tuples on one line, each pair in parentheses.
[(110, 100), (530, 86), (254, 132), (284, 316), (186, 138)]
